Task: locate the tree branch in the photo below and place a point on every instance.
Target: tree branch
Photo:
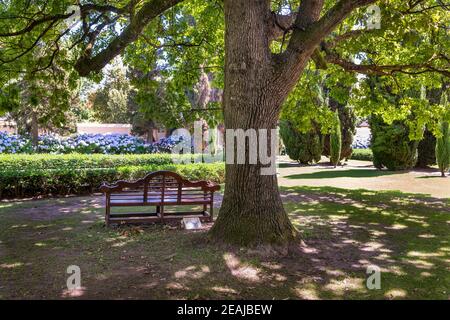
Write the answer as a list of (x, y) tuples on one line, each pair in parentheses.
[(386, 70), (309, 31), (279, 25), (411, 7), (35, 23), (87, 63)]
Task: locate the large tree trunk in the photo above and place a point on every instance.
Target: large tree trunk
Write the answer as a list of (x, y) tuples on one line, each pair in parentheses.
[(252, 212)]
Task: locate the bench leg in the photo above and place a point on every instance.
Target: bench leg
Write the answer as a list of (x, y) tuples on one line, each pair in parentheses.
[(107, 211), (211, 210), (161, 211)]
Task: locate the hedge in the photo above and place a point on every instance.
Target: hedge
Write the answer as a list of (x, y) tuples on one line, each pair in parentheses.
[(39, 175), (82, 161), (362, 154)]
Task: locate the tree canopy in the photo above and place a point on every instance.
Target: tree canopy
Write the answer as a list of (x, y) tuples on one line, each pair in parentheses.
[(169, 44)]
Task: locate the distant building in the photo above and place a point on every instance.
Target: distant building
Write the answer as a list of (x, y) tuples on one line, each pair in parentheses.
[(103, 128), (7, 126)]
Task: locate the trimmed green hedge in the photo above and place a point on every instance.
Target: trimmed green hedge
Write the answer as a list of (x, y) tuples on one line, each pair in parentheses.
[(362, 154), (82, 161), (36, 175)]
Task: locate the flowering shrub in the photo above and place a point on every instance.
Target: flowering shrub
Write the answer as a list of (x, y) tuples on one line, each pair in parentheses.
[(86, 144), (105, 143), (49, 144), (165, 145), (11, 143)]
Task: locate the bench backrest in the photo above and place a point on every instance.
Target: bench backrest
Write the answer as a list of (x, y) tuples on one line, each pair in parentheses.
[(161, 186)]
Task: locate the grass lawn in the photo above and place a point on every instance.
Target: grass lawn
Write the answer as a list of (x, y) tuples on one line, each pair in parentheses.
[(406, 235)]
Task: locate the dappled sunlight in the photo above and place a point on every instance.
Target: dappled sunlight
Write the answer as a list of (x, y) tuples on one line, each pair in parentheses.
[(40, 244), (308, 293), (343, 232), (396, 270), (375, 235), (176, 286), (17, 226), (420, 263), (395, 293), (42, 226), (339, 287), (224, 289), (8, 205), (424, 254), (397, 226), (73, 293), (192, 272), (11, 265), (241, 270), (427, 236), (121, 244)]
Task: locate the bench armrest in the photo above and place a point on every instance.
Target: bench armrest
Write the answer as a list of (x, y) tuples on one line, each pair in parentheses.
[(212, 186)]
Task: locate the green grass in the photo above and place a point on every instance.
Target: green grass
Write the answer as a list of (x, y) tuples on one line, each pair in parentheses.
[(406, 235), (336, 173)]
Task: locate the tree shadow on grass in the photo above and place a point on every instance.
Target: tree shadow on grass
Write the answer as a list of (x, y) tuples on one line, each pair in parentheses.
[(344, 231), (432, 177), (351, 173)]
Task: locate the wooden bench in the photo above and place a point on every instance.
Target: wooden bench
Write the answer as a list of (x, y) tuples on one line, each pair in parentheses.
[(158, 189)]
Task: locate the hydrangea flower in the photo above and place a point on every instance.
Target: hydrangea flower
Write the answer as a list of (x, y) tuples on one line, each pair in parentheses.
[(86, 143)]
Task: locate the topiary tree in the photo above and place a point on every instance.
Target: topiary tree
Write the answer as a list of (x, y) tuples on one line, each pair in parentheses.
[(391, 145), (306, 148), (336, 141), (348, 130), (443, 149), (426, 150), (443, 142)]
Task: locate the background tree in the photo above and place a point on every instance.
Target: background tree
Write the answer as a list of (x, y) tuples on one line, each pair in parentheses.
[(391, 146), (45, 102), (336, 141), (443, 149), (110, 103), (426, 155), (304, 147), (427, 146), (443, 140), (267, 47), (347, 119)]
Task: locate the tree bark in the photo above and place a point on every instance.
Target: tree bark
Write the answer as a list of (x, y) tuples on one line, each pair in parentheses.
[(252, 212), (34, 129)]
